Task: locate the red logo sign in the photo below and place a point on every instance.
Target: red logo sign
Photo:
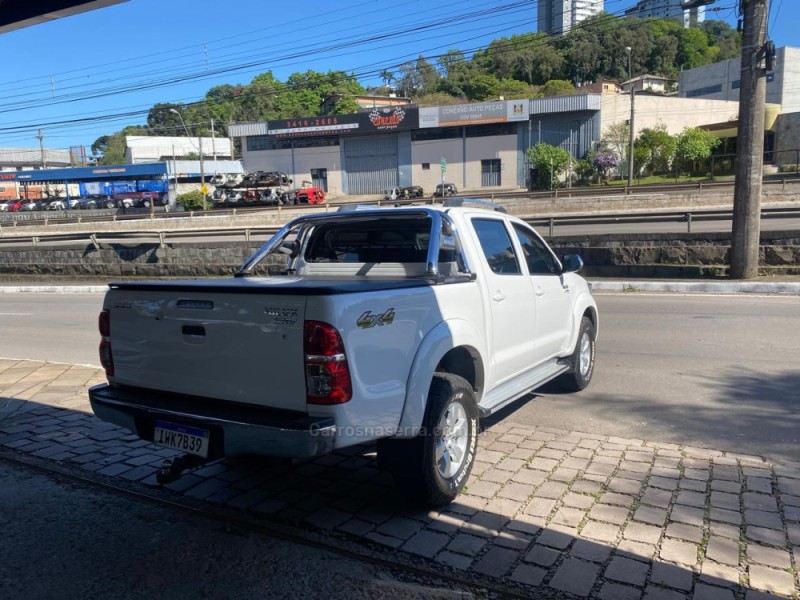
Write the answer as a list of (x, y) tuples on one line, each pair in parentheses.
[(386, 118)]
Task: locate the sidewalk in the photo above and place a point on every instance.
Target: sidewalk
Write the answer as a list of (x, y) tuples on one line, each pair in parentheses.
[(545, 512)]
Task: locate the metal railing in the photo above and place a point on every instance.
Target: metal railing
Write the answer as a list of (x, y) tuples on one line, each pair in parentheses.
[(551, 223)]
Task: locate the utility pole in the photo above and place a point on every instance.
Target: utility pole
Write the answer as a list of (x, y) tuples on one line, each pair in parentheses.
[(749, 164), (202, 173), (41, 149), (631, 133)]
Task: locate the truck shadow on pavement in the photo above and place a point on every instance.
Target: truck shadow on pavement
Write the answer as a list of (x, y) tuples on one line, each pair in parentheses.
[(546, 512)]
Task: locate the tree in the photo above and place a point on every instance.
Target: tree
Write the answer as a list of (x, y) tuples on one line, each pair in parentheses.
[(387, 76), (658, 149), (616, 138), (557, 87), (694, 144), (548, 162), (603, 163)]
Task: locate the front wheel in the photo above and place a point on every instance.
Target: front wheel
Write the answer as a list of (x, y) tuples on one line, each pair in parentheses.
[(436, 464), (582, 360)]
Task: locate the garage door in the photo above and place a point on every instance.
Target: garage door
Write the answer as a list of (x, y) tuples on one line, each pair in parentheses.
[(371, 164)]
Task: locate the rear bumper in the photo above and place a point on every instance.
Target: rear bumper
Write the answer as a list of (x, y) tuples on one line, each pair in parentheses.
[(236, 429)]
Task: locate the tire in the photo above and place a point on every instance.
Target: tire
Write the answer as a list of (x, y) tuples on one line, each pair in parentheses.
[(436, 464), (581, 361)]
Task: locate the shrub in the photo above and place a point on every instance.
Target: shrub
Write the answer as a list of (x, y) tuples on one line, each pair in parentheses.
[(191, 200)]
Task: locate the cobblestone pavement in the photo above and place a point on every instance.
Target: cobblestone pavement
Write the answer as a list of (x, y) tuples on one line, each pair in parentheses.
[(545, 511)]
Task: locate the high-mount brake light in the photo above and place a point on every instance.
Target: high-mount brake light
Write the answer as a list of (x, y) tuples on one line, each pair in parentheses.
[(327, 373), (104, 324)]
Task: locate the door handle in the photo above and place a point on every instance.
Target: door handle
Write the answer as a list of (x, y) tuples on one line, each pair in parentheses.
[(498, 296), (539, 291)]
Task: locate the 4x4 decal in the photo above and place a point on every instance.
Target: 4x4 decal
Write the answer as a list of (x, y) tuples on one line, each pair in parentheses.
[(368, 320)]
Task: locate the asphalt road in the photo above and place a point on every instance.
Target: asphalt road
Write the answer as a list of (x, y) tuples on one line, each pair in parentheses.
[(720, 372)]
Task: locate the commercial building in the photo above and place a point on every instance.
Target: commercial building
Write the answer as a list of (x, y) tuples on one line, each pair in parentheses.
[(556, 17), (147, 149), (478, 147), (721, 80), (667, 9)]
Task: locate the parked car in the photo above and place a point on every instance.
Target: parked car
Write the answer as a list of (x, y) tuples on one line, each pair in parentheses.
[(13, 206), (35, 205), (61, 204), (445, 189), (90, 202), (4, 205)]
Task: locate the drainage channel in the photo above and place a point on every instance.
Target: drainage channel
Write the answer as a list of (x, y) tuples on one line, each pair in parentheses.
[(232, 520)]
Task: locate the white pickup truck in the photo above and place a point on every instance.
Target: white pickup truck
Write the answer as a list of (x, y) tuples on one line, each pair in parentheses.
[(403, 326)]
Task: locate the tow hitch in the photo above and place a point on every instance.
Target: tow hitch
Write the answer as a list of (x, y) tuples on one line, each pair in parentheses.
[(172, 469)]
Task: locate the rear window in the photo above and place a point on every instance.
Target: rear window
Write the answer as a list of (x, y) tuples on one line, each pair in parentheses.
[(399, 240)]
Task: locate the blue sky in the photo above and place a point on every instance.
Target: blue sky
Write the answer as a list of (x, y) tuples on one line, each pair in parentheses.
[(121, 56)]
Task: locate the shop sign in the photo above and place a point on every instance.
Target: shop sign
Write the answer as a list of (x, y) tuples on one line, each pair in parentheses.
[(501, 111)]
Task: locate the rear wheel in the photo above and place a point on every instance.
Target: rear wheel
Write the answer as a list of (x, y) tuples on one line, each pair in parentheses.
[(582, 360), (435, 465)]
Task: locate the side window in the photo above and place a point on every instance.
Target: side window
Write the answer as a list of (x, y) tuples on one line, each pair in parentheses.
[(540, 260), (497, 247)]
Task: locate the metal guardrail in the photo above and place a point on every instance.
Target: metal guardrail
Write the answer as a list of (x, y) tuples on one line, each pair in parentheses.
[(550, 223)]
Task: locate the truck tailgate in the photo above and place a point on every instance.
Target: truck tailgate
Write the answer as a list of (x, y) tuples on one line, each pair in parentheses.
[(224, 345)]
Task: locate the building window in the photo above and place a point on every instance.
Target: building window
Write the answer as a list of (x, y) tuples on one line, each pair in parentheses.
[(490, 172), (492, 129), (705, 91), (444, 133), (426, 166)]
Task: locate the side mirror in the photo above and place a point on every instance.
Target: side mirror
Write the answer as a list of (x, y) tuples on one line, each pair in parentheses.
[(571, 263)]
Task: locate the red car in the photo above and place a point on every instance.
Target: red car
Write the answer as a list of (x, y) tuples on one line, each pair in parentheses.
[(14, 205), (309, 195)]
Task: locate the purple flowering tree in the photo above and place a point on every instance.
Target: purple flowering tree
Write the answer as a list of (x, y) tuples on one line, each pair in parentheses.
[(604, 163)]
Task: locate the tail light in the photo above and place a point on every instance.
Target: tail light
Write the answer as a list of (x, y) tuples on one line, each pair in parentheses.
[(327, 372), (104, 324)]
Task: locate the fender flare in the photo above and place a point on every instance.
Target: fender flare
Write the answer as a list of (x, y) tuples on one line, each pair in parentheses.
[(446, 336), (582, 302)]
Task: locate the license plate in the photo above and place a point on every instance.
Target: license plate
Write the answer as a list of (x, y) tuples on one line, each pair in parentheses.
[(182, 437)]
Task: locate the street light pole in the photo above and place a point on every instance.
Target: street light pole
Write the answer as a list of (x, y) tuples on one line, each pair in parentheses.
[(200, 150), (629, 50)]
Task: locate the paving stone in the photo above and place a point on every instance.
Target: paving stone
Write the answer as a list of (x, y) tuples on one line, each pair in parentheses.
[(591, 551), (657, 497), (651, 514), (636, 550), (528, 575), (760, 501), (772, 580), (625, 486), (726, 472), (616, 591), (493, 475), (656, 593), (485, 524), (564, 475), (726, 516), (504, 506), (686, 532), (551, 489), (599, 468), (725, 500), (526, 524), (551, 454), (502, 447), (772, 557), (556, 537), (483, 489), (709, 592), (516, 491), (571, 517), (529, 477), (515, 540), (608, 513), (574, 500), (679, 552), (542, 556), (575, 463), (689, 498), (794, 533), (426, 543), (617, 499), (356, 527), (723, 550), (699, 474), (496, 562), (627, 571), (604, 459), (724, 530), (693, 485), (456, 561), (603, 532), (664, 483), (762, 485), (575, 576), (584, 486), (540, 507), (400, 527), (467, 544), (672, 576), (688, 515), (542, 464), (771, 537), (722, 575), (639, 532), (722, 485), (761, 518)]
